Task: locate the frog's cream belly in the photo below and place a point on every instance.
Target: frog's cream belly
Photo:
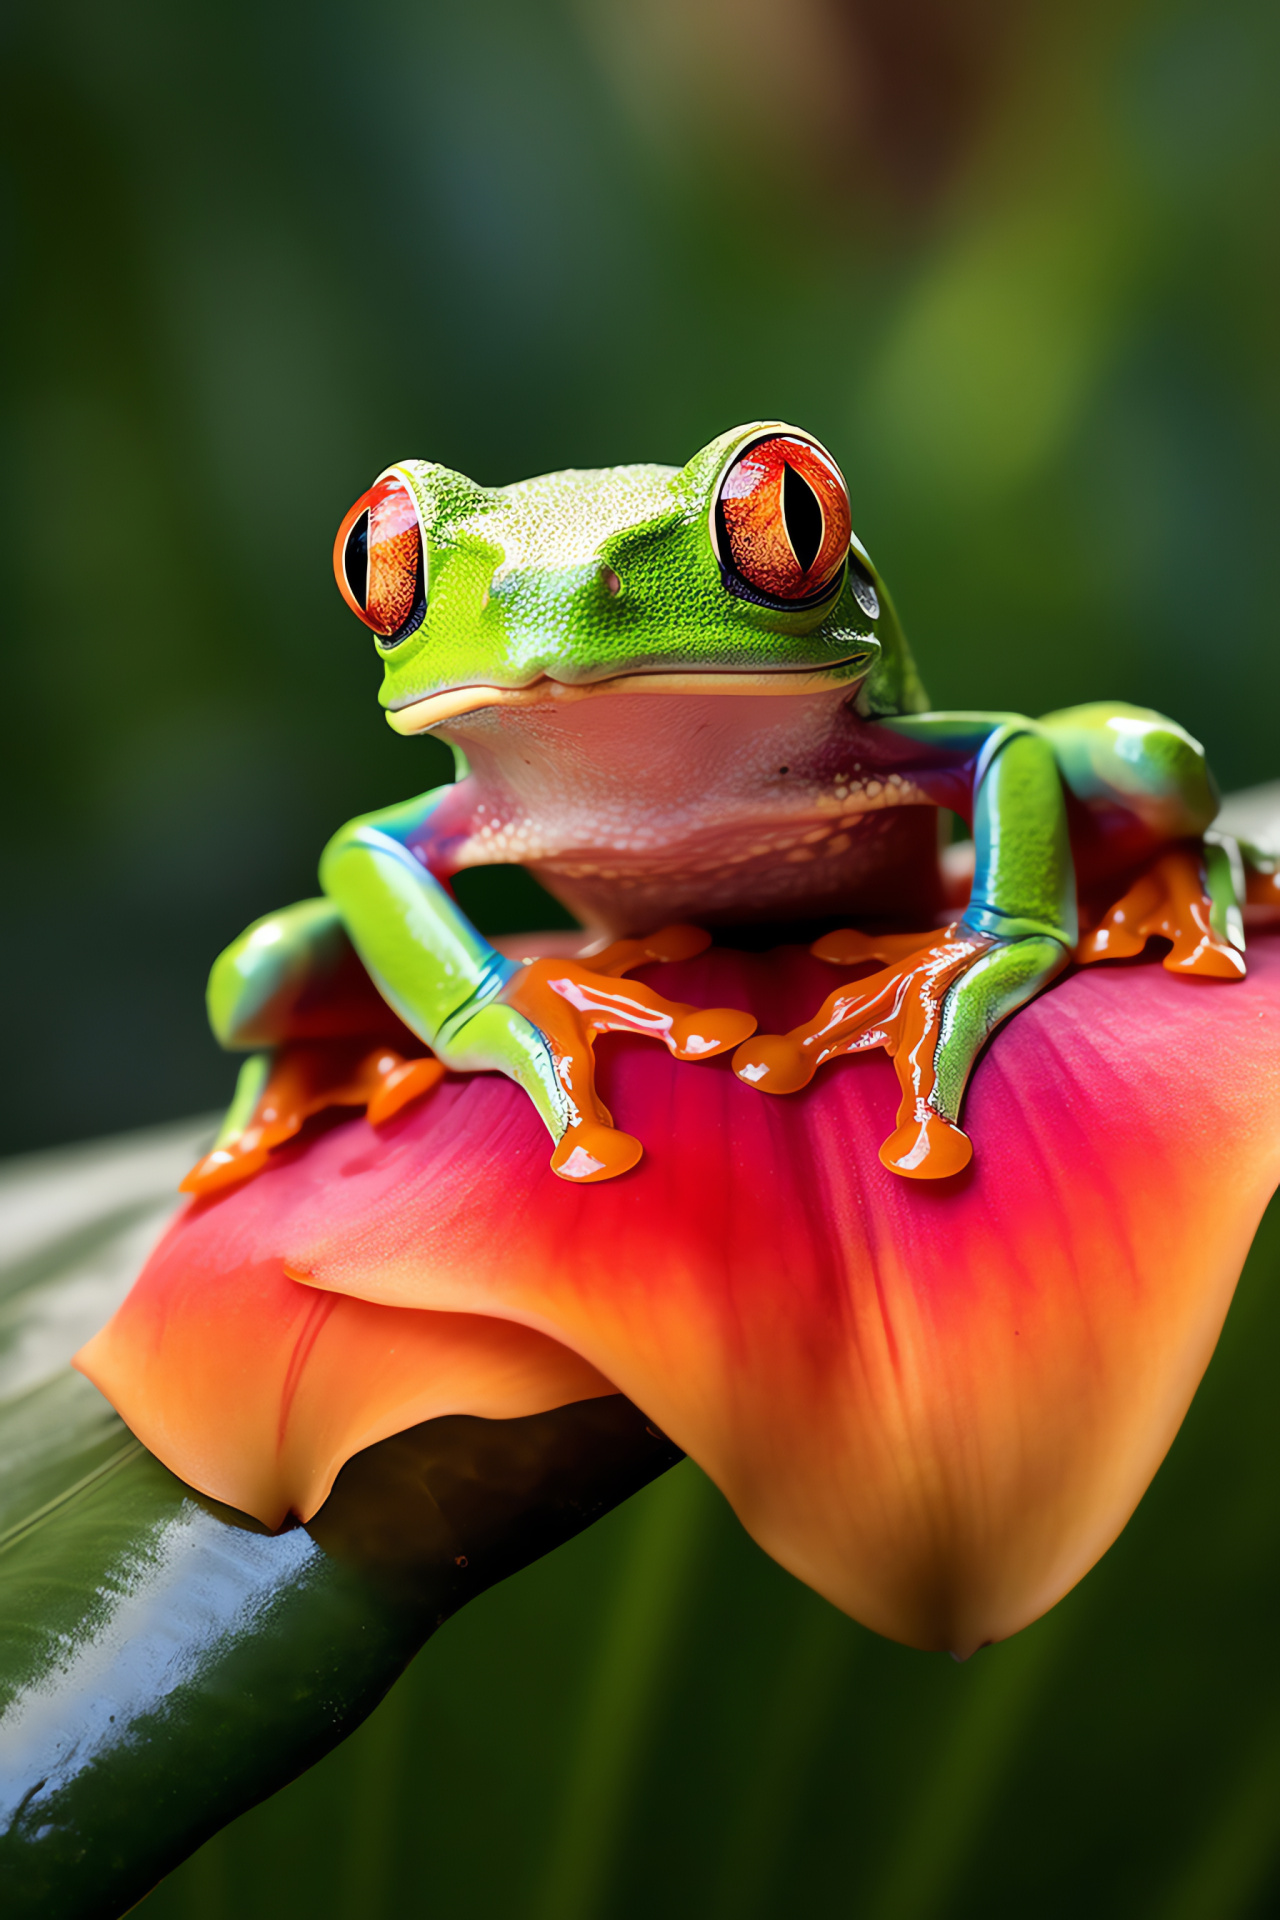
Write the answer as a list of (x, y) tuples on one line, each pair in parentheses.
[(875, 865), (693, 807), (806, 864)]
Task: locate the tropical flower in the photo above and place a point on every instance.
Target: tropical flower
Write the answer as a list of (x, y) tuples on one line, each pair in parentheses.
[(935, 1402)]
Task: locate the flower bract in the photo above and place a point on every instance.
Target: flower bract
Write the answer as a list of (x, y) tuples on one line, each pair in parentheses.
[(937, 1403)]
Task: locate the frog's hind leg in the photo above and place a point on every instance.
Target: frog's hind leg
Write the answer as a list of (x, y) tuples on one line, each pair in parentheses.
[(1191, 896), (293, 988), (932, 1009)]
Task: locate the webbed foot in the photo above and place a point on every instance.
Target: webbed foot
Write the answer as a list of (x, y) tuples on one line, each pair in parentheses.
[(899, 1009), (1187, 897), (572, 1002), (931, 1009)]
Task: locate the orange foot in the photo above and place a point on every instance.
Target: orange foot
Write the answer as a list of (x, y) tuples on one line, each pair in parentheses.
[(899, 1009), (305, 1078), (1169, 901), (571, 1002)]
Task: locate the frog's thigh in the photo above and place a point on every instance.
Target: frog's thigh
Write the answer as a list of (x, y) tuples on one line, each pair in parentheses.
[(257, 982), (1003, 980), (1136, 759)]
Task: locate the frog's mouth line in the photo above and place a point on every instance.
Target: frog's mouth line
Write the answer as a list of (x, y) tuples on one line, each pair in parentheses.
[(435, 708)]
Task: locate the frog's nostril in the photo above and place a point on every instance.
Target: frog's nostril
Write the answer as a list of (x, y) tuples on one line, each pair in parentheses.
[(612, 584)]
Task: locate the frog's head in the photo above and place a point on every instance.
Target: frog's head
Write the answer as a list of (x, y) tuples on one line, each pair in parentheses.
[(736, 573)]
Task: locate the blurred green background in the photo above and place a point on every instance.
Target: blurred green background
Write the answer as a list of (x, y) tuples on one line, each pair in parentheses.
[(1016, 264)]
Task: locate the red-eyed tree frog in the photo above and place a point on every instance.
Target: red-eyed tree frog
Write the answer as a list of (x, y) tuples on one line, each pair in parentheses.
[(682, 695)]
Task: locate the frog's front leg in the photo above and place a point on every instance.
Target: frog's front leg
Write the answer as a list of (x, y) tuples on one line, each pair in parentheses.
[(936, 1004), (479, 1011)]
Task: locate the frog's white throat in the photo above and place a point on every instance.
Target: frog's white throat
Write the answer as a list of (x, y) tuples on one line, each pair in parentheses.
[(612, 770), (687, 807)]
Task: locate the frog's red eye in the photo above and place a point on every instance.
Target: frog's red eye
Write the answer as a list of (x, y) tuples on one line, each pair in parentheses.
[(782, 521), (378, 560)]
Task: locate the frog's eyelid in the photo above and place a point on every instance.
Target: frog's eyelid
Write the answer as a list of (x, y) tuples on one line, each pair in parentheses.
[(863, 583)]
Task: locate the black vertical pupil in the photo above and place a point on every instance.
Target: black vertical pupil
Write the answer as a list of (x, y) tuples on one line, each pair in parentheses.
[(802, 516), (355, 560)]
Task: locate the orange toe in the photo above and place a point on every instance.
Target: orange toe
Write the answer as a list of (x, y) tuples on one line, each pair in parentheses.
[(226, 1166), (406, 1082), (775, 1062), (703, 1032), (928, 1148), (590, 1152), (307, 1077)]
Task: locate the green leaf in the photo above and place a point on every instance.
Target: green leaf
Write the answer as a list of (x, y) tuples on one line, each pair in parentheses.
[(166, 1663)]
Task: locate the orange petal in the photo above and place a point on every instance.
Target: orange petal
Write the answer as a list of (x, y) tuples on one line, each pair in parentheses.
[(256, 1390)]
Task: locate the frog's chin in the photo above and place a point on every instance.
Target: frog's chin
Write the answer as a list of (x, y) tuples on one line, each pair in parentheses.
[(419, 716)]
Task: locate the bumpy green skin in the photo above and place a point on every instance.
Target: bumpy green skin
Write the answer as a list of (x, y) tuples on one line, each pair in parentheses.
[(517, 588), (519, 594)]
